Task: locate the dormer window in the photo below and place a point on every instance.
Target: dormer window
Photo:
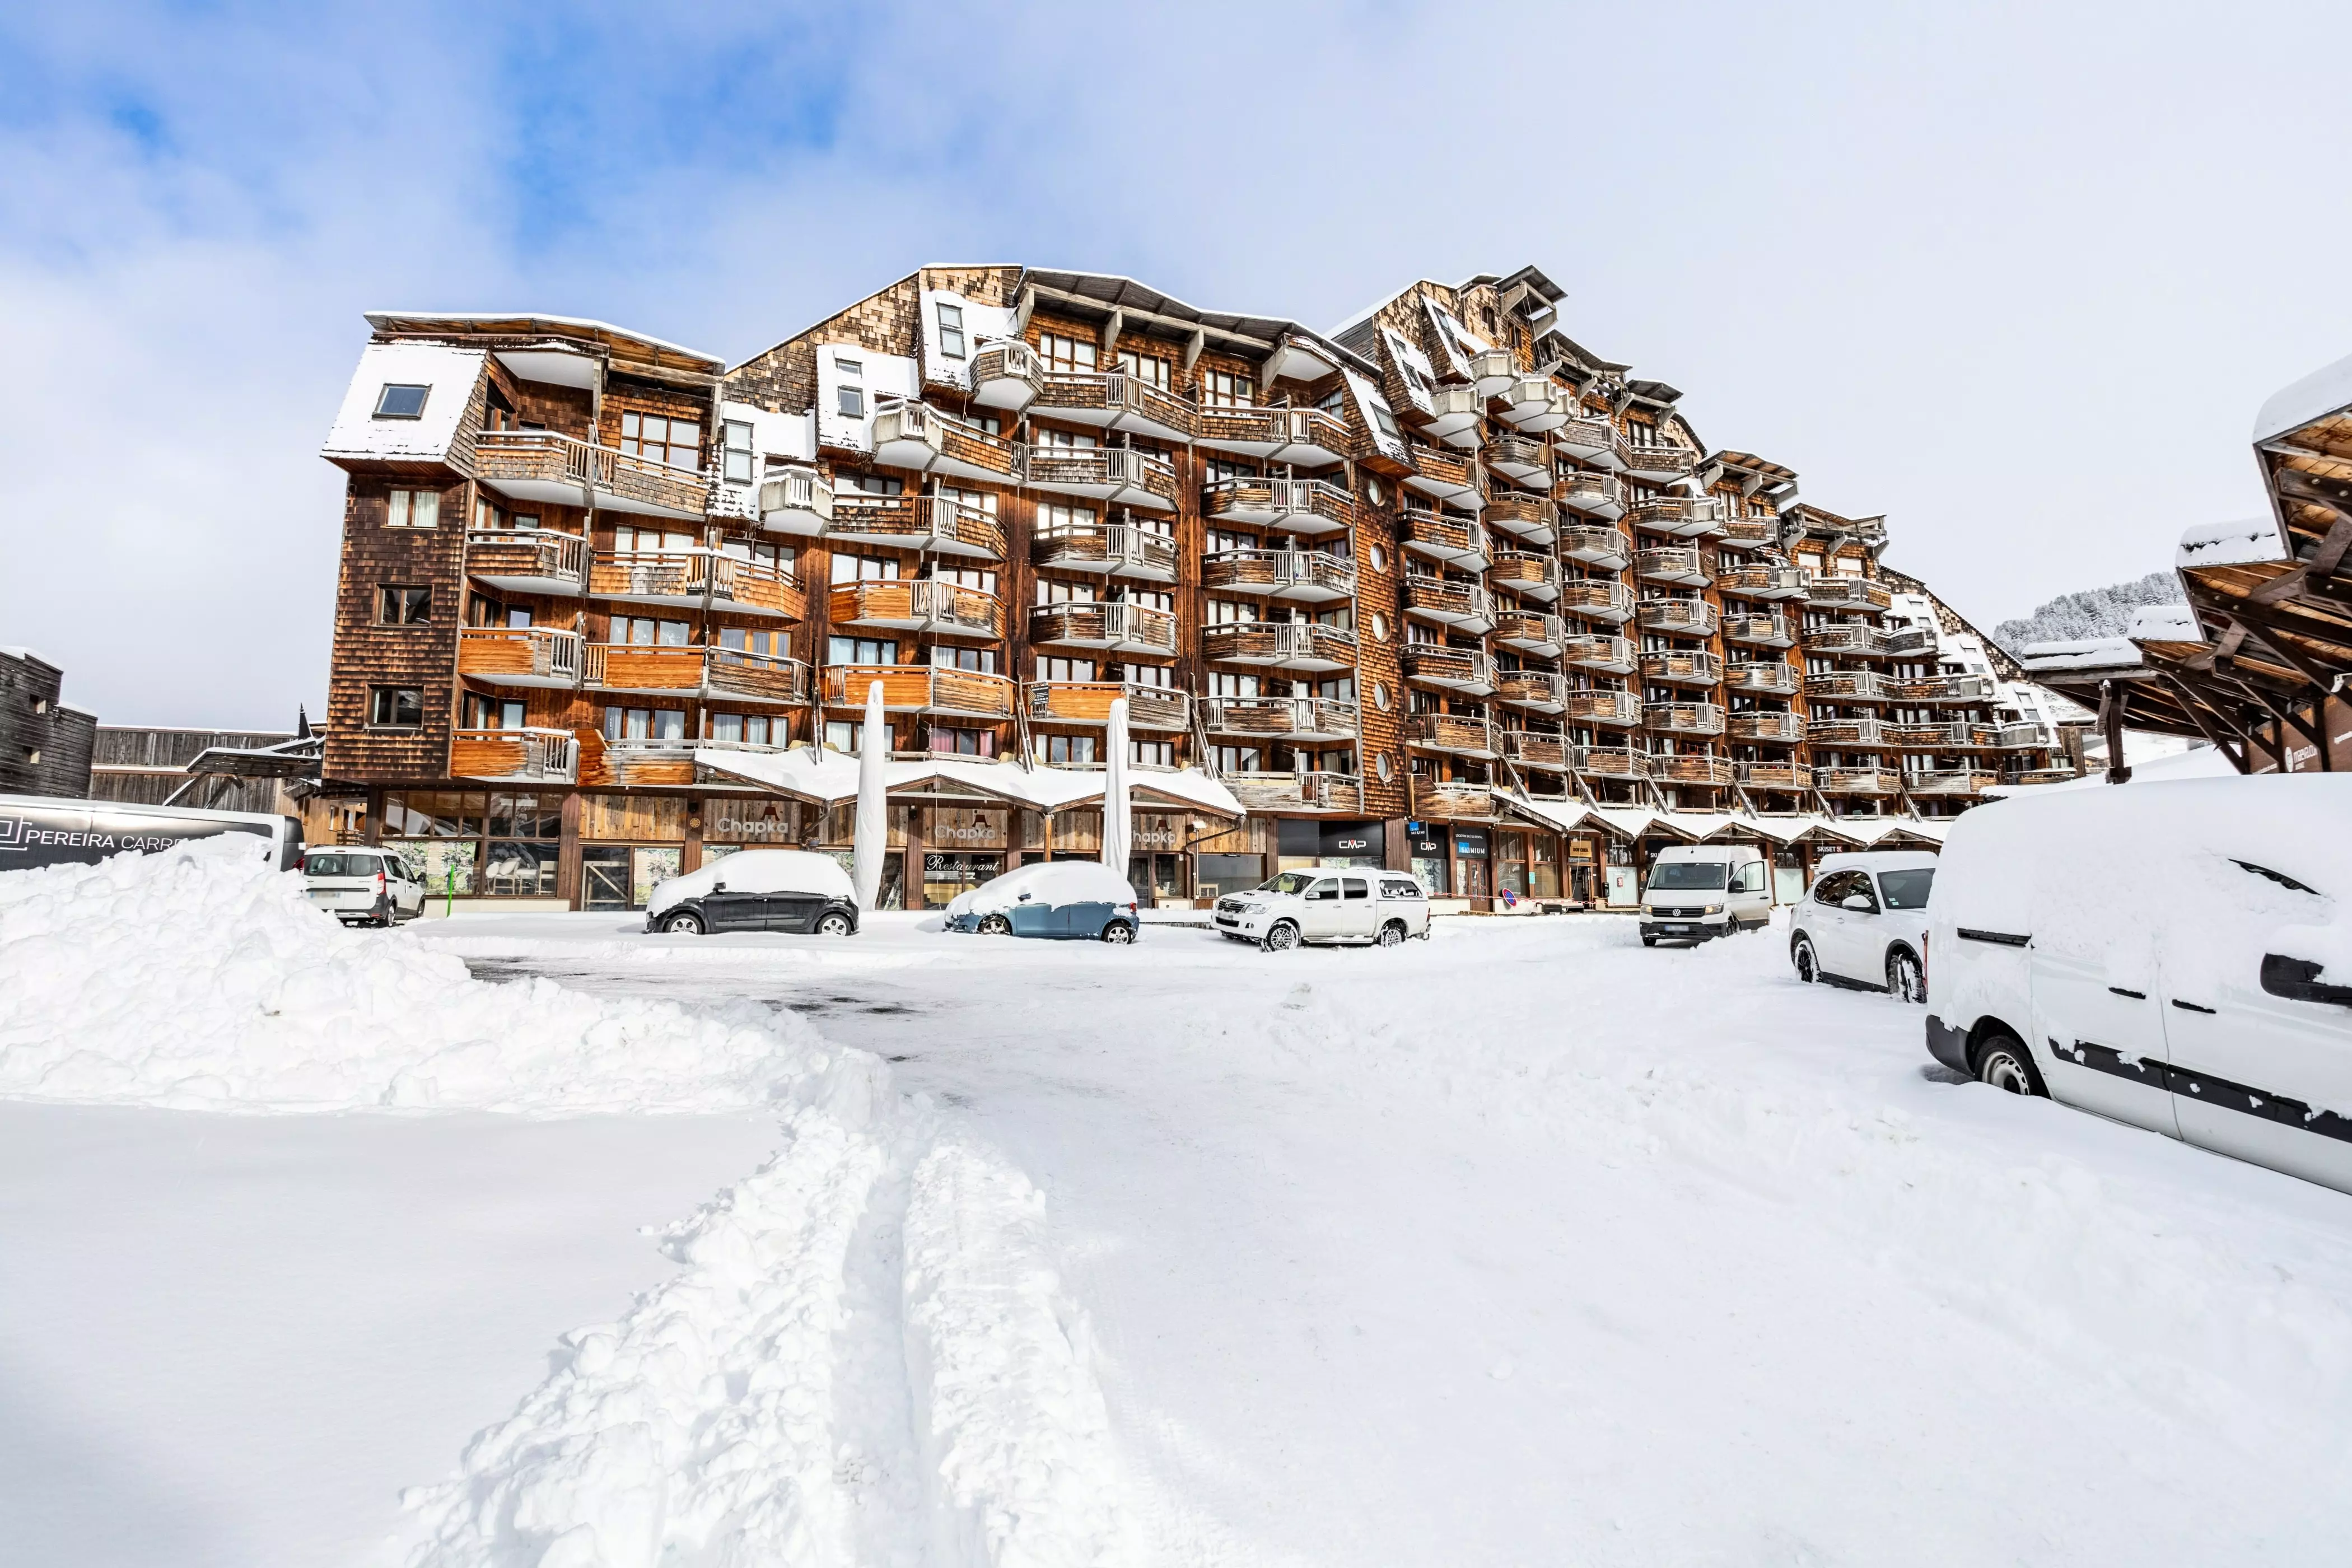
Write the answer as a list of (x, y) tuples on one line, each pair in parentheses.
[(398, 401), (950, 331)]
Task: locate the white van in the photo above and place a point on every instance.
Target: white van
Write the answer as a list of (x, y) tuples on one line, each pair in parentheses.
[(1381, 907), (2174, 955), (1864, 922), (361, 886), (1699, 891)]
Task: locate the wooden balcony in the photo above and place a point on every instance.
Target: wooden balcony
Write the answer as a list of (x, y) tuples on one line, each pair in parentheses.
[(1945, 783), (1955, 736), (1847, 594), (1610, 761), (1676, 667), (2040, 776), (1531, 518), (937, 525), (644, 763), (561, 470), (1465, 607), (1456, 414), (1857, 781), (1938, 688), (1849, 734), (1530, 631), (921, 688), (1594, 495), (1341, 793), (1305, 576), (798, 501), (1105, 627), (1596, 650), (1760, 630), (1593, 439), (1682, 718), (1533, 748), (1694, 768), (1537, 690), (1616, 709), (1449, 801), (1113, 550), (1597, 599), (1150, 708), (528, 561), (1445, 475), (1006, 375), (1302, 438), (1447, 536), (1849, 686), (1678, 616), (1522, 460), (1449, 669), (2022, 737), (665, 670), (1294, 506), (514, 756), (1851, 639), (1749, 533), (1902, 642), (1456, 734), (1671, 563), (920, 605), (1777, 727), (1595, 545), (1529, 576), (1776, 775), (1303, 719), (1279, 645), (693, 579), (1658, 463), (1765, 678), (1533, 405), (1114, 401), (1761, 583), (518, 655), (1684, 517), (929, 441)]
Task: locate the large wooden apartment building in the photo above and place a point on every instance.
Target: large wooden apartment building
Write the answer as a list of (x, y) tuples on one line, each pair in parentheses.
[(1438, 589)]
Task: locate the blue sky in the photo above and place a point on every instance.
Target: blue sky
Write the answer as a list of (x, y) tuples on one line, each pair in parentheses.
[(2017, 276)]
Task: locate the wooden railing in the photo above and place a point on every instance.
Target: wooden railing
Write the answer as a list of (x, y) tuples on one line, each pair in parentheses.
[(1781, 728), (1769, 678), (1774, 630), (1439, 598), (1854, 639), (538, 655), (2007, 737), (1447, 799), (1116, 546), (1138, 627), (1280, 503), (1859, 734), (1530, 630), (689, 672), (1751, 532), (1115, 393), (1307, 792), (1445, 534), (1692, 617), (1762, 582), (1593, 438), (1447, 469), (1682, 718), (1601, 495), (1847, 592), (1534, 576), (1597, 599), (1089, 702), (1688, 516), (1603, 547), (1619, 708), (1532, 688), (1669, 564), (1451, 733), (1277, 572), (544, 456), (1905, 640), (968, 446), (533, 756), (1856, 781), (1534, 749), (1445, 665), (1849, 686), (1680, 666), (1942, 688), (937, 523), (1949, 782), (1313, 717), (1509, 452), (796, 496), (1530, 517), (1692, 768), (1952, 736), (1596, 650), (674, 575), (1776, 775), (1611, 762), (1005, 361), (920, 688), (1660, 462), (543, 553), (920, 603)]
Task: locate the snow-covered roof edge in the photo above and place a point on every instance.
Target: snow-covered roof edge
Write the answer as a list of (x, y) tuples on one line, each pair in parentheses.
[(2317, 395), (2239, 542), (380, 318)]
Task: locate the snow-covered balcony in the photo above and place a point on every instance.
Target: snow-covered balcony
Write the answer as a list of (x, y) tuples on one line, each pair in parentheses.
[(528, 561), (1679, 667), (1616, 710), (797, 501), (1682, 718), (1446, 536), (1849, 686), (922, 605), (1659, 463), (1949, 783), (563, 470), (1533, 405), (1777, 727), (1529, 576), (1849, 734), (1309, 507), (1671, 563), (1761, 582), (1530, 631), (1597, 599), (1449, 669), (1114, 401), (1764, 678), (1466, 606), (1154, 708), (1341, 793), (1456, 734), (921, 688), (1290, 718), (1847, 594), (1522, 458), (665, 670), (1114, 550), (938, 525), (1454, 415), (1599, 651), (1761, 629), (1776, 775), (514, 756), (1535, 690), (1116, 476), (918, 436), (518, 655), (1006, 376), (1857, 781), (1530, 518), (1944, 689), (1595, 440), (1493, 371), (1685, 517), (1594, 495), (1445, 475), (690, 579), (1679, 616), (1105, 627), (1534, 749), (1595, 545), (1694, 768), (1610, 761)]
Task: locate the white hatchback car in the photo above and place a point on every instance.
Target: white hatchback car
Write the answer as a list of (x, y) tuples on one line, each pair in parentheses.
[(1866, 922), (1364, 908), (362, 886)]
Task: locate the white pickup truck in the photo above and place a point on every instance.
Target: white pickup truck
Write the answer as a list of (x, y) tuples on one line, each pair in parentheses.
[(1368, 908)]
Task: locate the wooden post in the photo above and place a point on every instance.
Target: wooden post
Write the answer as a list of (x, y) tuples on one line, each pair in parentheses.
[(2111, 725)]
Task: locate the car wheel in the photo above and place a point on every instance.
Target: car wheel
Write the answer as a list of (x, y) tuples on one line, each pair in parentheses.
[(1281, 938), (2005, 1063), (683, 924), (995, 925), (1809, 967), (1903, 978), (834, 924), (1118, 933), (1393, 934)]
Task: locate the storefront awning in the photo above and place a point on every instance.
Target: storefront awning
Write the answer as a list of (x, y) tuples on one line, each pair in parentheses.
[(826, 777)]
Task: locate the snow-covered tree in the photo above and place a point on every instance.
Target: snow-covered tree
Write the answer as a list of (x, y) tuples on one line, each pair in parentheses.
[(2093, 613)]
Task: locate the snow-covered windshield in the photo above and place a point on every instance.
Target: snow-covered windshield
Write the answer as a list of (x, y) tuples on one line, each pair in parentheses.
[(1906, 890), (1688, 877), (1289, 883)]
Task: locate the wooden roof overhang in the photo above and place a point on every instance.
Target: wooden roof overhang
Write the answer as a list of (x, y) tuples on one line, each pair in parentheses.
[(631, 353), (1119, 303)]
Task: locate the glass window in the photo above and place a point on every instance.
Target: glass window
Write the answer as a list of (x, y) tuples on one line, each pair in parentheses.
[(404, 607), (661, 439), (851, 401), (1688, 877), (413, 509), (396, 707), (1353, 888), (398, 401), (1066, 354), (1063, 751), (1906, 890), (738, 447), (860, 650), (1149, 369), (950, 330), (1225, 389)]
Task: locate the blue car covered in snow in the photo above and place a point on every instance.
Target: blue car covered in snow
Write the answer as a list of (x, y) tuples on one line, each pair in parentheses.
[(1069, 901)]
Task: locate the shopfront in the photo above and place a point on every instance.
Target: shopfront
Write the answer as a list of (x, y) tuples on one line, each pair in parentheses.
[(1306, 843), (629, 844)]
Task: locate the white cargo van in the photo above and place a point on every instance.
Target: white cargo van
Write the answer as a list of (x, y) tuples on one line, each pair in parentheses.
[(2174, 955), (1699, 891)]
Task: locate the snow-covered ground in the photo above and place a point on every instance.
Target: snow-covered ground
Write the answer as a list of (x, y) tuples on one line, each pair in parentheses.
[(1525, 1245)]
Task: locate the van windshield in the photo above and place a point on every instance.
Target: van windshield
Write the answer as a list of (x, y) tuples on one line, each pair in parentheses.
[(1289, 883), (1688, 877), (1906, 890)]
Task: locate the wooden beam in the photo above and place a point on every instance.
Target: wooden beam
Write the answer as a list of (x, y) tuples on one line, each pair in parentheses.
[(1194, 345), (2195, 710), (1111, 326), (2111, 725)]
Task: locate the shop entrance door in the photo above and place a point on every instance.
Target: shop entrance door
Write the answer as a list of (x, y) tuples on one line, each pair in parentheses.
[(604, 877)]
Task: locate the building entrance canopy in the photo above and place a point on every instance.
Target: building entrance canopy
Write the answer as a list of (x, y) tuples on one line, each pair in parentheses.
[(826, 777)]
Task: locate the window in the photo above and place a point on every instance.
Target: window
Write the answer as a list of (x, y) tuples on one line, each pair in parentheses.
[(676, 442), (1220, 541), (1230, 613), (644, 724), (1149, 369), (972, 577), (1908, 890), (1067, 355), (1222, 684), (745, 641), (1056, 593), (492, 713), (1055, 519), (1158, 674), (1387, 422), (1237, 759), (981, 661), (843, 735), (851, 400), (950, 330), (1063, 751), (964, 743), (749, 728), (413, 509), (860, 650), (1225, 389), (396, 707), (864, 569), (398, 401), (644, 631), (404, 607), (1152, 753), (1065, 668), (737, 439), (628, 539)]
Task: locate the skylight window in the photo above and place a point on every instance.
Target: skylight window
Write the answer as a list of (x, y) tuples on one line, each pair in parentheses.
[(398, 401)]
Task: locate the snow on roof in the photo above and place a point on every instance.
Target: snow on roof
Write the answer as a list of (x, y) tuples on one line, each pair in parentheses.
[(1631, 822), (2320, 393), (2237, 542), (2165, 622), (447, 373), (2198, 762), (827, 776), (14, 652), (2097, 653), (532, 320)]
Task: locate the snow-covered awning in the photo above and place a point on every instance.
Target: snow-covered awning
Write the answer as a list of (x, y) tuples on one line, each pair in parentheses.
[(2163, 623), (824, 776), (2242, 542), (2317, 395), (2094, 653)]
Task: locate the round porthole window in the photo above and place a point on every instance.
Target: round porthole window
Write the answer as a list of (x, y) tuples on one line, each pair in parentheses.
[(1380, 626), (1380, 695), (1380, 558), (1378, 492), (1387, 771)]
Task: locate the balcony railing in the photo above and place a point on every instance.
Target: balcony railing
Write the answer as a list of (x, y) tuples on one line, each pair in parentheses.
[(1849, 734), (1453, 732), (646, 762), (1453, 669), (518, 655), (1454, 415), (539, 465), (1116, 627), (1776, 775), (938, 524), (1686, 517), (1530, 631), (1694, 768), (1905, 641), (1594, 439), (1114, 401), (1006, 375), (796, 501), (1119, 550), (1303, 437), (1533, 404), (1954, 736), (1532, 749), (1949, 782), (1297, 791), (1157, 708), (1595, 495), (528, 561), (1854, 639), (1292, 717), (1445, 475), (1762, 582), (2008, 737), (1449, 800), (1760, 630), (692, 578), (921, 688), (1676, 667), (1857, 781), (1529, 576), (916, 436), (1595, 545), (1764, 678), (1750, 533), (1611, 762), (1307, 575), (1782, 729), (1848, 594), (1531, 518), (1670, 563), (1596, 599), (1944, 689), (921, 606), (1295, 506), (1117, 476), (1849, 686), (1539, 690), (1659, 463), (1493, 370), (1596, 650), (671, 670), (1689, 618), (521, 756), (1682, 718), (1450, 603), (1293, 645), (1619, 710), (1522, 458), (1447, 536)]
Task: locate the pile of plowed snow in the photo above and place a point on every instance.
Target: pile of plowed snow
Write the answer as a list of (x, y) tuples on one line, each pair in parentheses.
[(201, 977)]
